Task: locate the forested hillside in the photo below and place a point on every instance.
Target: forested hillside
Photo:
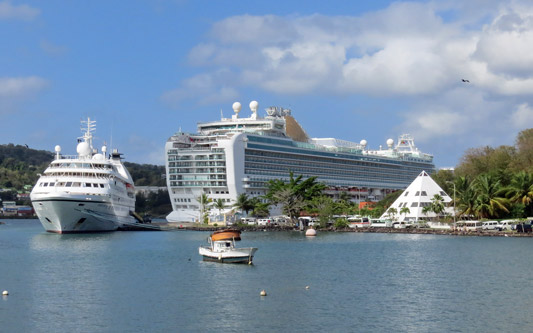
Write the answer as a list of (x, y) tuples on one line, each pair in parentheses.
[(19, 166)]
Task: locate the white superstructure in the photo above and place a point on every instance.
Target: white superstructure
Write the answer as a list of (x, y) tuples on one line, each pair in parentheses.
[(88, 192), (239, 155)]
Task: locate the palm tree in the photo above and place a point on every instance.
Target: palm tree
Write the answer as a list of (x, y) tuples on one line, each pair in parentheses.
[(488, 202), (293, 195), (405, 211), (520, 190), (426, 210), (437, 204), (243, 203), (219, 204), (392, 213), (292, 204), (204, 201)]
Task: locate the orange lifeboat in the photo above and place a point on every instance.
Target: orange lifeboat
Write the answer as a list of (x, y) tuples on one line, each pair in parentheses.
[(226, 234)]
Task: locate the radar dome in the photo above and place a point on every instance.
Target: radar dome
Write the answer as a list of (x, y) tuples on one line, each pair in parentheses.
[(253, 106), (83, 149), (237, 107), (363, 142), (57, 148), (98, 157), (390, 142)]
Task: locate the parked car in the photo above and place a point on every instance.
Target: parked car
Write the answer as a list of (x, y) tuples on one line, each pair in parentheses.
[(264, 222), (248, 220), (506, 225), (489, 225)]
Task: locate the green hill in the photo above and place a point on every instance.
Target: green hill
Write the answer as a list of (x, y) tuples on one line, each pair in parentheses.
[(19, 166)]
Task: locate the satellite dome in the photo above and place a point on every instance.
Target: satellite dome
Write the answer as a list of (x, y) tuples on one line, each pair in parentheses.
[(253, 106), (83, 149), (363, 142), (390, 142), (98, 157), (57, 148), (237, 107)]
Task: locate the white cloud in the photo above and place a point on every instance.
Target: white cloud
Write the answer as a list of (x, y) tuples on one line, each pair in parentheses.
[(416, 53), (22, 86), (21, 12), (205, 89), (522, 117)]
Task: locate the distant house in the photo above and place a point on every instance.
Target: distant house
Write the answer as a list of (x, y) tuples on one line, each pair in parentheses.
[(10, 208)]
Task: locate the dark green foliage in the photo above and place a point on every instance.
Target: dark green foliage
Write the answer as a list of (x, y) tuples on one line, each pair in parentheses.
[(156, 204), (20, 165), (146, 174)]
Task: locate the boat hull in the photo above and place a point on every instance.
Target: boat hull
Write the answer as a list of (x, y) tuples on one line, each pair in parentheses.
[(234, 256), (61, 215), (228, 234)]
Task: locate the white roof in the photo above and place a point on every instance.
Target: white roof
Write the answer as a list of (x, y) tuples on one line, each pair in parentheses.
[(416, 197)]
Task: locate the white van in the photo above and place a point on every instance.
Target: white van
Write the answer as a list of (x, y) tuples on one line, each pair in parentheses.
[(506, 225), (264, 222), (489, 225), (248, 220)]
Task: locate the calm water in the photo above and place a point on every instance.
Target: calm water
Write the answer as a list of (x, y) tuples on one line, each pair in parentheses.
[(156, 282)]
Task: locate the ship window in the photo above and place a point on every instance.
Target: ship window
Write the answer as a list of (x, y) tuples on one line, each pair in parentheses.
[(76, 184), (45, 184), (87, 184), (424, 193), (68, 184), (95, 185), (414, 204), (51, 184), (102, 185), (417, 193), (406, 193)]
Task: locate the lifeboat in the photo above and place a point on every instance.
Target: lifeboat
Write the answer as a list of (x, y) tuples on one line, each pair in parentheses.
[(227, 234)]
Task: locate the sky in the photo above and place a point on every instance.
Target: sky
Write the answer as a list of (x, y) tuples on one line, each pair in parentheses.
[(353, 70)]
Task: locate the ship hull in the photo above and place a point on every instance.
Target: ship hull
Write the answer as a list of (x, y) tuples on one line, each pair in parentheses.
[(61, 215)]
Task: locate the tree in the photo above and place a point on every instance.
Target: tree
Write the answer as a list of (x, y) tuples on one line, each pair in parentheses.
[(219, 204), (293, 195), (392, 213), (488, 203), (437, 204), (204, 202), (323, 206), (291, 203), (243, 203), (426, 210), (520, 190), (405, 211)]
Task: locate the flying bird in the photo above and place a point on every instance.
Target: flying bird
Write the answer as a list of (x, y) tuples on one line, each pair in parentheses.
[(466, 81)]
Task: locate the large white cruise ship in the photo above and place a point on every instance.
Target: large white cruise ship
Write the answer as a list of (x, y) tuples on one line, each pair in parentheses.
[(88, 192), (239, 155)]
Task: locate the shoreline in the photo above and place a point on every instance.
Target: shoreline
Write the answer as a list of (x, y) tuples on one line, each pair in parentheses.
[(418, 231)]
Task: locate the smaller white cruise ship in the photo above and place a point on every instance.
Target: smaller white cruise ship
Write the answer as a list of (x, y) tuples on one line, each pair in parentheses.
[(88, 192)]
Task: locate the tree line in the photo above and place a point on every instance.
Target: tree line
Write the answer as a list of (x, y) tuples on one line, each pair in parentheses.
[(493, 183)]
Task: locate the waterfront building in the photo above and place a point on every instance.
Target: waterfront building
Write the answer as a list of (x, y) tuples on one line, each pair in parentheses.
[(415, 197), (240, 155)]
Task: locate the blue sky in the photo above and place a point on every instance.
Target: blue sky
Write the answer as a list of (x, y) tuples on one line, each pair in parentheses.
[(348, 69)]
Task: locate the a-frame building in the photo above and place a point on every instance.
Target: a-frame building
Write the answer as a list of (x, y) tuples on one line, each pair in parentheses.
[(417, 196)]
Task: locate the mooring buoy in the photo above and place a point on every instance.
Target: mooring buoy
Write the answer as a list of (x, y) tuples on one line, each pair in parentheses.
[(310, 232), (5, 293), (263, 293)]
